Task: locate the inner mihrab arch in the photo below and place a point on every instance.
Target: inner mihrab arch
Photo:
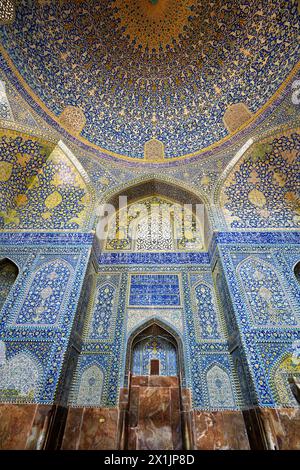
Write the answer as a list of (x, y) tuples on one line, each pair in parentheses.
[(153, 328), (154, 377)]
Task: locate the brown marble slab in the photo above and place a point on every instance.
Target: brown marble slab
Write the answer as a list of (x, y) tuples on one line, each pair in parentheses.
[(99, 429), (154, 423), (91, 429), (151, 438), (162, 381), (73, 429), (235, 430), (175, 418), (154, 402), (140, 380), (134, 406), (39, 428), (220, 430), (282, 428), (15, 425)]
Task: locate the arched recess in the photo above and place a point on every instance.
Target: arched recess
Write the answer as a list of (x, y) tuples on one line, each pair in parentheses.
[(144, 418), (20, 375), (8, 274), (155, 328), (155, 223), (169, 189), (163, 351)]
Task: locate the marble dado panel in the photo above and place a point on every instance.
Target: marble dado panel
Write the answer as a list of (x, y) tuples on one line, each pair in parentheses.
[(30, 427), (219, 430), (23, 426), (154, 420), (91, 429)]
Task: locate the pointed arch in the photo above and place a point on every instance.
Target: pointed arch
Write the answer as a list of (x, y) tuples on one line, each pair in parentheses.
[(57, 196), (150, 184), (151, 327), (84, 175), (21, 375), (12, 260), (156, 317), (8, 275), (252, 188), (76, 182), (174, 192), (90, 386), (219, 387), (253, 145)]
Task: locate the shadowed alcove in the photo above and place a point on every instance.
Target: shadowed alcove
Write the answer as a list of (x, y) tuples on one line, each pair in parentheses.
[(154, 371), (8, 275), (297, 271), (146, 333)]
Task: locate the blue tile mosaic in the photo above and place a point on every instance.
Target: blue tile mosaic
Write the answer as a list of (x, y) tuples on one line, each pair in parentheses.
[(127, 87), (155, 289)]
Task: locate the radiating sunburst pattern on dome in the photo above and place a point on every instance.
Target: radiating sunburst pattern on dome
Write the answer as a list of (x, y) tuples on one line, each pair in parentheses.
[(140, 69), (153, 25)]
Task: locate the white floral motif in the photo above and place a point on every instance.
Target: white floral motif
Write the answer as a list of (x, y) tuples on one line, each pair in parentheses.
[(90, 389), (219, 388), (19, 374)]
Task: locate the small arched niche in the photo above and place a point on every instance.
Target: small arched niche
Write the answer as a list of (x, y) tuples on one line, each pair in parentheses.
[(8, 274)]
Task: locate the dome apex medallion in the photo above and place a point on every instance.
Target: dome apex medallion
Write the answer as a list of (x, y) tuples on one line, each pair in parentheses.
[(153, 25)]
